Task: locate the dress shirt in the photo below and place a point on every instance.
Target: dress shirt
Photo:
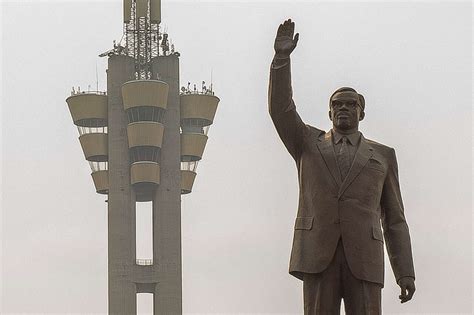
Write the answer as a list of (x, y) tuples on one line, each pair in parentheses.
[(353, 140)]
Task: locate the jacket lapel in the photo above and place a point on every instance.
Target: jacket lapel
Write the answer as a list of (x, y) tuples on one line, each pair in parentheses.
[(363, 154), (327, 151)]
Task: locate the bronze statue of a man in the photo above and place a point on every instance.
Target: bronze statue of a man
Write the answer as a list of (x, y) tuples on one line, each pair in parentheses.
[(349, 191)]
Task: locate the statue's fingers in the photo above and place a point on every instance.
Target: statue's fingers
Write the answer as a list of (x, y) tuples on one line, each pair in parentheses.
[(285, 29), (280, 30), (297, 37), (411, 291), (291, 29), (403, 294)]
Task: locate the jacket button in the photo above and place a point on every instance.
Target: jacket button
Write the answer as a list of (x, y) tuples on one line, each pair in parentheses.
[(337, 221)]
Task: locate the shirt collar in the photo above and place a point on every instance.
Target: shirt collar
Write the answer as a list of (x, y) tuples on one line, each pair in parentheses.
[(353, 138)]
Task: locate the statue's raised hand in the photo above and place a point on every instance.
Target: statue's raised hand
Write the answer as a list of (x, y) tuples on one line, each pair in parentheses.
[(284, 41)]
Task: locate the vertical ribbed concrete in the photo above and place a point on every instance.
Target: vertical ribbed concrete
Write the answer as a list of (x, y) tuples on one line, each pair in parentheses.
[(167, 203), (121, 200)]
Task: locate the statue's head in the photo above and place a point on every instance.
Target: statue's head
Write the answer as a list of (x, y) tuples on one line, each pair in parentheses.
[(346, 109)]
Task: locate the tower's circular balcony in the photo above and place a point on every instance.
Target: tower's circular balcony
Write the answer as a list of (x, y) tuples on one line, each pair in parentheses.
[(140, 93), (88, 109), (192, 146), (145, 172), (145, 133), (94, 146), (187, 181), (145, 176), (101, 181), (199, 106)]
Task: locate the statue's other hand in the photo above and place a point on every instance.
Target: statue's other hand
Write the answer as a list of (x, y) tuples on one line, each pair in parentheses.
[(284, 41), (407, 286)]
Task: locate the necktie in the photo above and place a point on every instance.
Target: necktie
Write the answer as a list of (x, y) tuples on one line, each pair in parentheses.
[(344, 158)]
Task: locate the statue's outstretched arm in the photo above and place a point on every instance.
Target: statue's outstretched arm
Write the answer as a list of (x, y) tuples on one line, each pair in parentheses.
[(282, 109)]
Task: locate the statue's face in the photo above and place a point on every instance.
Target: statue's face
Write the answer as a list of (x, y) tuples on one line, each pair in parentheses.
[(345, 113)]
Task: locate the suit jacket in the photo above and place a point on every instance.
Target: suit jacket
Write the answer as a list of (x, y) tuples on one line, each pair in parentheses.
[(355, 209)]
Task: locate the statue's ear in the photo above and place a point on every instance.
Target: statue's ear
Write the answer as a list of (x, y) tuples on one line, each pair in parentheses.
[(361, 115), (330, 115)]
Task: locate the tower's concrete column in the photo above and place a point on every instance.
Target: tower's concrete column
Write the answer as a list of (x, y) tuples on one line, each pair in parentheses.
[(121, 200), (167, 203)]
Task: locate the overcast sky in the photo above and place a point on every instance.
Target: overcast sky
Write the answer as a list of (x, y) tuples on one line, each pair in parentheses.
[(411, 60)]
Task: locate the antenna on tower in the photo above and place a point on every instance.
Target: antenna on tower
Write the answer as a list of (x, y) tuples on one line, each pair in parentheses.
[(143, 35), (211, 82), (96, 78)]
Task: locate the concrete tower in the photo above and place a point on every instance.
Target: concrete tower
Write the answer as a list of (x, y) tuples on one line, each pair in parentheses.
[(143, 139)]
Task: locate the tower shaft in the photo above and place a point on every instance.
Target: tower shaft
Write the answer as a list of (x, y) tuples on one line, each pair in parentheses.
[(167, 202), (163, 277), (121, 199)]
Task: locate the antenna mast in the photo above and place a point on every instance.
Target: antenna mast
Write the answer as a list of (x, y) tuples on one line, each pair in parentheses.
[(96, 78), (142, 34)]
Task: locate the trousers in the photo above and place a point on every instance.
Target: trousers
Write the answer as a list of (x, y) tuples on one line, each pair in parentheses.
[(323, 292)]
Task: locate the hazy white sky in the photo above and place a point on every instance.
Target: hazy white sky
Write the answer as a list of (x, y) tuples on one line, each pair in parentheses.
[(411, 60)]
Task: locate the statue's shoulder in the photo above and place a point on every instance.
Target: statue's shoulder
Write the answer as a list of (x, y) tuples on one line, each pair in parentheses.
[(379, 147), (315, 131)]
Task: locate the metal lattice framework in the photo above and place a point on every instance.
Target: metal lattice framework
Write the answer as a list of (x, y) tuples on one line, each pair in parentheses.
[(142, 42)]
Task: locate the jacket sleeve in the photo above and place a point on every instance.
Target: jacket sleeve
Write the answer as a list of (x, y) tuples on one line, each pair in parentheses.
[(288, 123), (396, 233)]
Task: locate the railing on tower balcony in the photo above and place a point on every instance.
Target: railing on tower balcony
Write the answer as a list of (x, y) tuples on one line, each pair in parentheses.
[(144, 262)]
